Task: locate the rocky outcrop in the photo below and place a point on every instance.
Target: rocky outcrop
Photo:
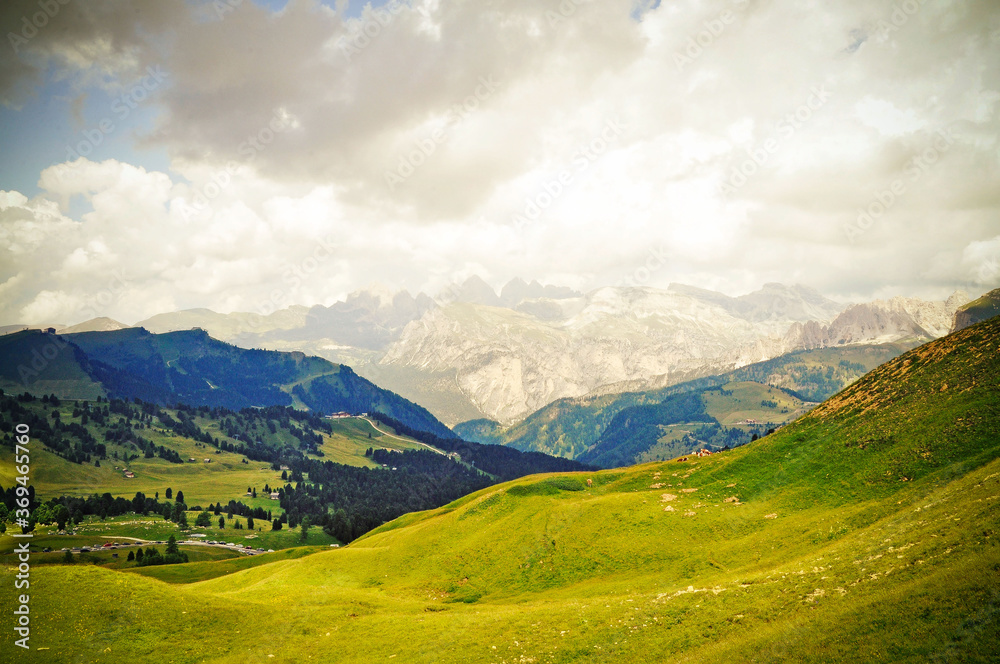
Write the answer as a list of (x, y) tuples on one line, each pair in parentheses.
[(881, 321), (510, 363), (982, 309)]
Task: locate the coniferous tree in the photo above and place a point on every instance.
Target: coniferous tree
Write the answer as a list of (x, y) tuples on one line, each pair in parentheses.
[(305, 529)]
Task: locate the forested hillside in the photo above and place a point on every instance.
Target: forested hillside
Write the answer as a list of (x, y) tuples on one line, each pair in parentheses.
[(194, 369), (107, 455)]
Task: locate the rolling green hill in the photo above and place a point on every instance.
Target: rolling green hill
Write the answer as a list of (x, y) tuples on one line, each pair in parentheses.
[(864, 531), (569, 427)]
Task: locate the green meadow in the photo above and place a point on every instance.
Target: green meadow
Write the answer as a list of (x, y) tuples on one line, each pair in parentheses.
[(865, 531), (745, 401)]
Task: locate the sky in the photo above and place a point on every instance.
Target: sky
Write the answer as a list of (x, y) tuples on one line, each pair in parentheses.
[(238, 155)]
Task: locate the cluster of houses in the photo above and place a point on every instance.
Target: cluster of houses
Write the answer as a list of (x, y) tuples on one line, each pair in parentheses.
[(343, 416), (192, 460), (128, 474)]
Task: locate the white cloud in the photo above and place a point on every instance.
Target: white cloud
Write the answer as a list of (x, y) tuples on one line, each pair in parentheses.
[(266, 198), (887, 119)]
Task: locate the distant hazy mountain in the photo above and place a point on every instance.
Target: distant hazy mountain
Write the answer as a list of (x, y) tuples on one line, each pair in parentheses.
[(881, 321), (507, 363), (473, 353), (366, 320), (773, 302), (226, 326), (517, 291), (95, 325), (101, 324)]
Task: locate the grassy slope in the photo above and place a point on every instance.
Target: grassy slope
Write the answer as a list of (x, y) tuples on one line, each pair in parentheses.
[(865, 531), (745, 403), (350, 440)]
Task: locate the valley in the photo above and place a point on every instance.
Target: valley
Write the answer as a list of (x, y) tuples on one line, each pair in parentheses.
[(801, 546)]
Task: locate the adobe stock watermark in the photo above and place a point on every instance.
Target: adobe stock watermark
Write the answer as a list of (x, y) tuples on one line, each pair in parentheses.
[(31, 369), (759, 156), (899, 16), (883, 201), (121, 108), (565, 11), (655, 261), (371, 24), (22, 514), (293, 277), (257, 142), (535, 205), (37, 21), (712, 30), (424, 148)]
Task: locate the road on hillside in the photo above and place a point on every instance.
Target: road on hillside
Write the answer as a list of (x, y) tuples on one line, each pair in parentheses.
[(135, 541), (405, 440)]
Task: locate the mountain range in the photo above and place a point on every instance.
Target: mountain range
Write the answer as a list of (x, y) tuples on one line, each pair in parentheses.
[(585, 427), (473, 353)]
